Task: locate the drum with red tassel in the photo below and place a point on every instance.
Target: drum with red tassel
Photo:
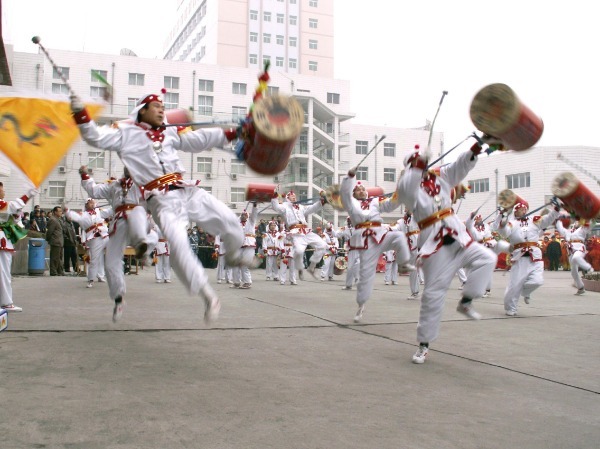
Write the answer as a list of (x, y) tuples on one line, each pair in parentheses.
[(507, 199), (261, 193)]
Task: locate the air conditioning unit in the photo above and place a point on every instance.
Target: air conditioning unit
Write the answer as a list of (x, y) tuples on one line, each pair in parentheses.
[(234, 176), (233, 206), (276, 179), (62, 169), (207, 175)]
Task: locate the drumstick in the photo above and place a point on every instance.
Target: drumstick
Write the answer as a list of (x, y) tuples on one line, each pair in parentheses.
[(37, 40), (578, 167), (371, 150), (447, 152), (483, 204), (428, 149)]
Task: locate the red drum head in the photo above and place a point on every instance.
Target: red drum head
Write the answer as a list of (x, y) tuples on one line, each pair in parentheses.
[(374, 191), (261, 193), (577, 197)]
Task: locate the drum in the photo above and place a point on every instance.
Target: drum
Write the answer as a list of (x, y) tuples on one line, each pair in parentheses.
[(497, 111), (261, 193), (333, 197), (576, 196), (340, 265), (507, 199), (177, 116), (374, 191), (276, 122)]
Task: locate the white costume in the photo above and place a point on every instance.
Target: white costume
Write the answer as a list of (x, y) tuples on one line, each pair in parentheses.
[(575, 238), (151, 155), (412, 231), (224, 272), (352, 257), (271, 247), (444, 243), (129, 225), (10, 234), (287, 264), (241, 275), (94, 237), (333, 244), (391, 268), (527, 271), (371, 237), (162, 269), (294, 216)]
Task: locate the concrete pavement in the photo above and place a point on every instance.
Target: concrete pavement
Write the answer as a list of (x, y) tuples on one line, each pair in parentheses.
[(285, 367)]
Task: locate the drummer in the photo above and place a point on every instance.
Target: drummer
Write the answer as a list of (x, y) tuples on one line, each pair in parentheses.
[(333, 245), (575, 238), (523, 233), (294, 216), (371, 237)]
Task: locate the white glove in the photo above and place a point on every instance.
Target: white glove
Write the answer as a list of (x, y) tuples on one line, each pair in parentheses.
[(32, 192), (76, 104), (352, 172), (83, 170)]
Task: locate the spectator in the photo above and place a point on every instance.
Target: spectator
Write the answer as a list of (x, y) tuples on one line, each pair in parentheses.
[(553, 252), (38, 223), (55, 238), (70, 247), (25, 220)]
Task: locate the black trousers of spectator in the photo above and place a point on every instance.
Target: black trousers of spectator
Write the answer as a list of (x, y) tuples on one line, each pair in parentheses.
[(70, 255)]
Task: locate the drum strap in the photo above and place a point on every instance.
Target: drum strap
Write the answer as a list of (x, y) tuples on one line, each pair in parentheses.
[(525, 245)]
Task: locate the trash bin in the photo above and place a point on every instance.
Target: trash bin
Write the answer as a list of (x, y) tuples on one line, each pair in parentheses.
[(37, 257)]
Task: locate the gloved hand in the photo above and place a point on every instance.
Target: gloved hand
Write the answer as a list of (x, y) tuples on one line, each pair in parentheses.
[(556, 203), (83, 170), (231, 134), (32, 192), (76, 104), (352, 172), (476, 149)]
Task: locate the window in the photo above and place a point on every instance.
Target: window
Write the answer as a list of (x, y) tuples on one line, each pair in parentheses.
[(279, 40), (253, 37), (204, 165), (389, 149), (292, 63), (95, 159), (312, 44), (302, 144), (136, 79), (389, 174), (238, 194), (279, 61), (267, 16), (238, 113), (293, 41), (280, 18), (518, 180), (56, 71), (253, 15), (312, 66), (313, 3), (293, 20), (60, 89), (253, 59), (266, 38), (56, 189), (206, 85), (303, 172), (362, 174), (101, 73), (98, 91), (171, 82), (312, 23), (171, 100), (205, 105), (292, 2), (272, 90), (479, 185), (238, 167), (239, 88), (362, 147), (131, 104), (333, 98)]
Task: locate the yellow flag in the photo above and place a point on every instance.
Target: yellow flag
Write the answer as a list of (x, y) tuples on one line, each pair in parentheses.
[(35, 133)]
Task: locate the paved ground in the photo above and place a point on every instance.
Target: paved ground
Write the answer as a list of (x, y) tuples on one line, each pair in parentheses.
[(285, 367)]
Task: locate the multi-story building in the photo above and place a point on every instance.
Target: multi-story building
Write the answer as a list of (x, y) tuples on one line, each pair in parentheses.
[(328, 146), (296, 36)]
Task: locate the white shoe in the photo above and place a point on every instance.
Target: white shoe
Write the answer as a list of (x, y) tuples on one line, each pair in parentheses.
[(118, 310), (293, 283), (413, 296), (487, 294), (420, 355), (12, 308), (387, 283), (101, 279), (268, 278), (219, 281), (90, 284), (580, 291), (462, 285), (346, 288), (282, 283), (468, 310), (167, 281), (159, 281), (245, 286), (211, 303), (359, 313), (527, 299), (511, 313)]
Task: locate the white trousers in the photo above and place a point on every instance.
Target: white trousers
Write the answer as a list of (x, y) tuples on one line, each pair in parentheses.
[(393, 240), (96, 246), (391, 272), (578, 262), (439, 270), (162, 269), (301, 241), (5, 280), (525, 277), (242, 275), (284, 269), (131, 231), (224, 273), (271, 266), (413, 277), (353, 267), (173, 210)]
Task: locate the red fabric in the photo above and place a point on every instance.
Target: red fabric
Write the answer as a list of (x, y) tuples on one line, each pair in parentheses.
[(82, 117)]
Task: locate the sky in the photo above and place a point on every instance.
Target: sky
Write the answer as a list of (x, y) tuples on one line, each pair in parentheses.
[(399, 55)]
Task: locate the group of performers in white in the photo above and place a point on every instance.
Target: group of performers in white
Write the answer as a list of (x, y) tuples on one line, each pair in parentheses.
[(429, 243)]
